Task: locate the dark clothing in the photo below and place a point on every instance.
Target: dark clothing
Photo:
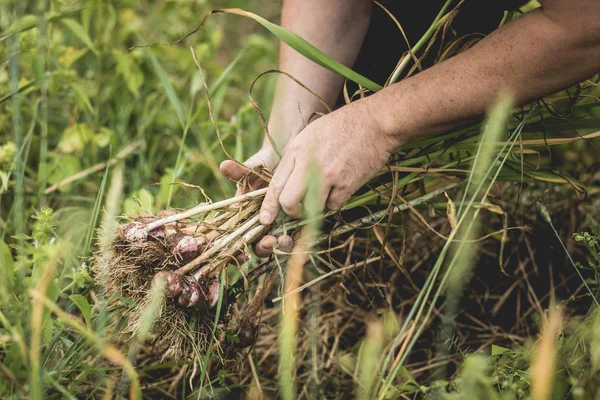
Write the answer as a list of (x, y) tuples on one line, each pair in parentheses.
[(384, 44)]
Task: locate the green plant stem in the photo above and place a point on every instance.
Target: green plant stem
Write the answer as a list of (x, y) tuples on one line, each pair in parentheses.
[(437, 23), (429, 283), (546, 215), (13, 68)]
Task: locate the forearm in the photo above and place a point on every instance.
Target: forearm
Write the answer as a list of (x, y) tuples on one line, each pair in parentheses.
[(336, 27), (533, 56)]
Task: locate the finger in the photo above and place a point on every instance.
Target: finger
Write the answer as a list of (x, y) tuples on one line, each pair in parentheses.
[(265, 158), (285, 243), (235, 171), (232, 170), (256, 182), (270, 205), (239, 258), (323, 195), (291, 196), (337, 198), (317, 204), (242, 257), (264, 247)]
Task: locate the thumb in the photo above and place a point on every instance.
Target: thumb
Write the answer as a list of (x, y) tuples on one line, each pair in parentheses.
[(235, 171)]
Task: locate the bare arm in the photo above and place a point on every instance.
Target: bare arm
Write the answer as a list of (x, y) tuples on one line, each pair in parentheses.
[(544, 51), (539, 53), (336, 27)]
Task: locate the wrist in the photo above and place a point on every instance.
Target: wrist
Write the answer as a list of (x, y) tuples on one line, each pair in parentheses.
[(284, 128), (384, 117), (280, 137)]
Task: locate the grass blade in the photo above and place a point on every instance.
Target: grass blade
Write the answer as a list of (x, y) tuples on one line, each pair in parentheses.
[(95, 214), (546, 215), (300, 45), (169, 89), (498, 117)]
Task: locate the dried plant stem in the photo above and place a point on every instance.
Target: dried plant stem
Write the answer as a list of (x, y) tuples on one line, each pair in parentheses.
[(204, 208), (215, 222), (326, 275), (362, 223), (96, 168), (233, 220), (257, 302), (437, 23), (252, 235), (218, 246), (368, 219)]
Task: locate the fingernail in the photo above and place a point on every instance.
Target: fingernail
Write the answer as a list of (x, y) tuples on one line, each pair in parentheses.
[(265, 217)]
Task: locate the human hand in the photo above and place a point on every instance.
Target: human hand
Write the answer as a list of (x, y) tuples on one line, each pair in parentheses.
[(265, 157), (349, 148)]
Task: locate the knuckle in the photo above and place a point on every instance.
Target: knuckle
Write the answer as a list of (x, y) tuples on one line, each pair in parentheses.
[(329, 173), (336, 200), (290, 208), (335, 175), (342, 188), (252, 162), (276, 183), (262, 249), (257, 249), (285, 203), (333, 205), (285, 243)]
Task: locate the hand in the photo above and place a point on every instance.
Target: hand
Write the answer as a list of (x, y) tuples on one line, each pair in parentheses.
[(349, 148), (233, 171), (267, 158)]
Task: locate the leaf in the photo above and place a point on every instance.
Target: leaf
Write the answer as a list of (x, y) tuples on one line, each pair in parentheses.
[(162, 75), (22, 89), (165, 186), (498, 350), (24, 23), (4, 180), (21, 236), (451, 211), (91, 229), (71, 55), (66, 166), (548, 176), (595, 231), (6, 269), (6, 259), (347, 362), (33, 23), (81, 34), (75, 138), (83, 305), (103, 137), (82, 97), (303, 47), (130, 71), (496, 209), (139, 202), (48, 329)]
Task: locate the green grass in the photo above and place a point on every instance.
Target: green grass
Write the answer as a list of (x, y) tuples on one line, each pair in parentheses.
[(73, 96), (73, 102)]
